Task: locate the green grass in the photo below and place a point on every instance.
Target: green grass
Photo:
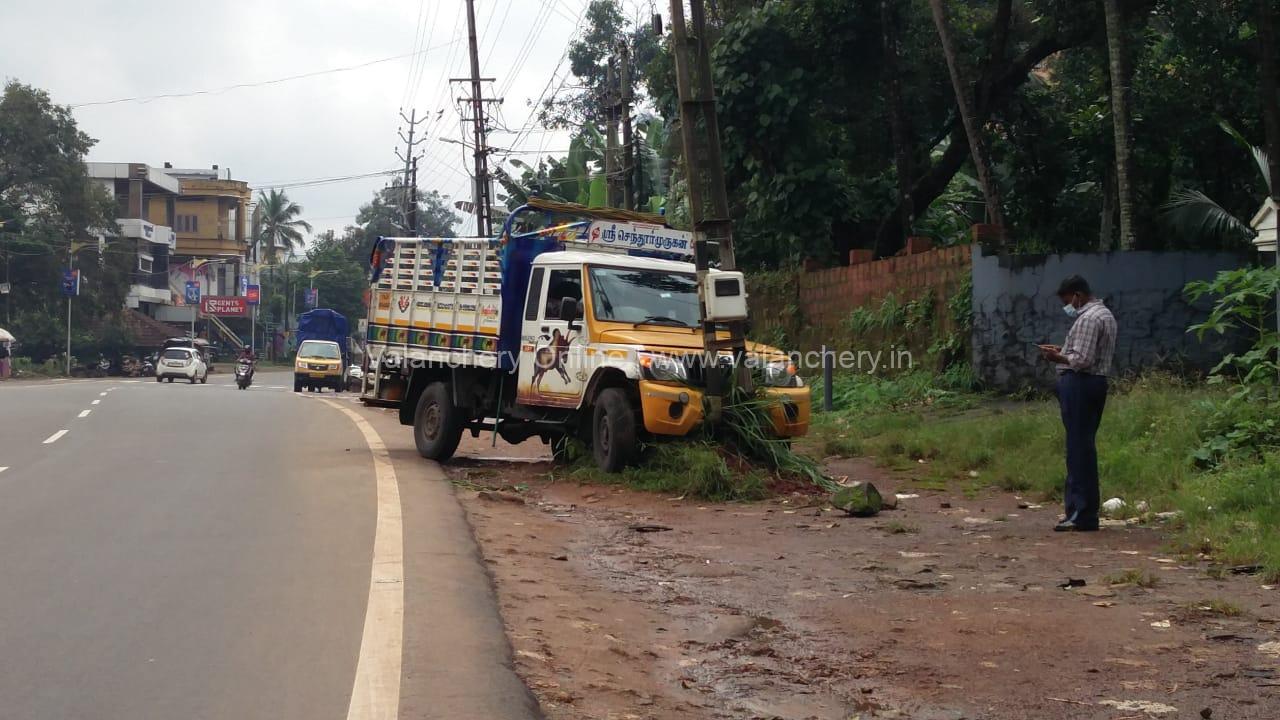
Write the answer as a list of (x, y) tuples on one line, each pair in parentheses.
[(689, 469), (1216, 606), (1150, 430)]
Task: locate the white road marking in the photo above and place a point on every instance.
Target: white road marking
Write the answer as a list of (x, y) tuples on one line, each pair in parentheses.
[(2, 469), (95, 402), (375, 695), (102, 394), (84, 413), (276, 387), (54, 437)]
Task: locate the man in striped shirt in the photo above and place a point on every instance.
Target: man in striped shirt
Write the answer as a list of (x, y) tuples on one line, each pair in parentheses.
[(1083, 364)]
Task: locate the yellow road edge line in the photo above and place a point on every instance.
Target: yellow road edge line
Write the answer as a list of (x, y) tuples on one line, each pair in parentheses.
[(375, 693)]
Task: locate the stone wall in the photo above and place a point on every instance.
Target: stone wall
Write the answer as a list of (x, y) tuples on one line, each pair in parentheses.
[(1015, 306)]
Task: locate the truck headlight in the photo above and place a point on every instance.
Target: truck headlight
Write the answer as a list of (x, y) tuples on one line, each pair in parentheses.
[(781, 374), (664, 368)]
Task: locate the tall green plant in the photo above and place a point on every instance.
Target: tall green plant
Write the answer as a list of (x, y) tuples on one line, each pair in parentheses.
[(1246, 421), (1245, 303)]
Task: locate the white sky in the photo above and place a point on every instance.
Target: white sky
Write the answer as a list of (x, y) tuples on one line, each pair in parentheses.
[(330, 125)]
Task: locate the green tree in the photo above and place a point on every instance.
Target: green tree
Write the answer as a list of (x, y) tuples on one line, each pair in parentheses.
[(279, 223), (341, 279), (47, 203)]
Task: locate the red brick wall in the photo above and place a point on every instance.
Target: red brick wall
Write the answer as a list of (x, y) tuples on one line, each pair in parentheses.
[(827, 296)]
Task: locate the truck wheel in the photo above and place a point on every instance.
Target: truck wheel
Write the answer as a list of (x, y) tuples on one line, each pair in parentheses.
[(437, 424), (613, 439)]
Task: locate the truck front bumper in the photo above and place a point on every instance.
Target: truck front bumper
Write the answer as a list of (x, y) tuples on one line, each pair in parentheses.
[(677, 410)]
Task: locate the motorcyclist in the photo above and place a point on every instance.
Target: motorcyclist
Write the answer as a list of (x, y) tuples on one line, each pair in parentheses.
[(246, 358)]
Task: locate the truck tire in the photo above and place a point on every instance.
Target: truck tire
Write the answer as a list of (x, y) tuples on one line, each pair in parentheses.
[(437, 424), (613, 434)]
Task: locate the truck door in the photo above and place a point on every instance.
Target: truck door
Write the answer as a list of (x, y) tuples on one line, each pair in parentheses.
[(552, 371)]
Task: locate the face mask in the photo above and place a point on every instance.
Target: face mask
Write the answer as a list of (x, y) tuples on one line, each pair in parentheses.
[(1071, 310)]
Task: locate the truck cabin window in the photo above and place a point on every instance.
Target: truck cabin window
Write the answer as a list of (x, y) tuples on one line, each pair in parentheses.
[(562, 284), (323, 351), (644, 297)]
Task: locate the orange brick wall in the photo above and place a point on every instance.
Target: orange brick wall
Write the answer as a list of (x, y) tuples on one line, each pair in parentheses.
[(827, 296)]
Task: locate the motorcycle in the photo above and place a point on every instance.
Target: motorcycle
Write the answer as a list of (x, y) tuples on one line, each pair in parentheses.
[(244, 374), (149, 366)]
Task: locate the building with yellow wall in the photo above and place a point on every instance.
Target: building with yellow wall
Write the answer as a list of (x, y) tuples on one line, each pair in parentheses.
[(211, 223)]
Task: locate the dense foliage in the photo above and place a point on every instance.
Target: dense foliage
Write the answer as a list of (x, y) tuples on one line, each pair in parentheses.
[(50, 214), (840, 130)]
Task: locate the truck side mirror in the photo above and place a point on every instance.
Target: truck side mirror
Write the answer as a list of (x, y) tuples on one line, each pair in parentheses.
[(570, 312)]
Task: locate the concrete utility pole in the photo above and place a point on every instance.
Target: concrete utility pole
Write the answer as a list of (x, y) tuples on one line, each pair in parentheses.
[(482, 196), (413, 199), (708, 199), (628, 144), (409, 202), (612, 181)]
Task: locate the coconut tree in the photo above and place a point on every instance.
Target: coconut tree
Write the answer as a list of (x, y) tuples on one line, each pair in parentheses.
[(964, 104), (1118, 64), (279, 224), (1195, 215)]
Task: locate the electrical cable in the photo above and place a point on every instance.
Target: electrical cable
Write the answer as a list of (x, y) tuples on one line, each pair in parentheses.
[(217, 91)]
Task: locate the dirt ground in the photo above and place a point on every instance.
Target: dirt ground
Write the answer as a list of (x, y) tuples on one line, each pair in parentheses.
[(629, 605)]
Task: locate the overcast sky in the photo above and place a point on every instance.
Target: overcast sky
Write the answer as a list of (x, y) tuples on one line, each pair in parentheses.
[(325, 126)]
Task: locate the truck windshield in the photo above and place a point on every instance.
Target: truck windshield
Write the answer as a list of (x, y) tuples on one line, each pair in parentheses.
[(325, 351), (644, 296)]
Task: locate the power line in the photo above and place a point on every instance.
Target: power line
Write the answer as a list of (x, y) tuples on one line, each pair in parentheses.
[(322, 181), (417, 42), (261, 83)]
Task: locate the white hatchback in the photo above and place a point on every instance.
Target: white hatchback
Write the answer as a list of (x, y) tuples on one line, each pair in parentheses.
[(184, 363)]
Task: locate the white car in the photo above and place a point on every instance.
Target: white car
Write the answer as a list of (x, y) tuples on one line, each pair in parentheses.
[(185, 363), (355, 377)]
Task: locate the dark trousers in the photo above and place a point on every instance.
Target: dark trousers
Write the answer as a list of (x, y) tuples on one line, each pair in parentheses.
[(1082, 398)]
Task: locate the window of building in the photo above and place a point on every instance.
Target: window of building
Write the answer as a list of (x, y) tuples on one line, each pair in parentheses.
[(186, 223), (146, 263)]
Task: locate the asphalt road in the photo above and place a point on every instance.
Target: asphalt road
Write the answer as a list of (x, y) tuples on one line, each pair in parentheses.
[(196, 551)]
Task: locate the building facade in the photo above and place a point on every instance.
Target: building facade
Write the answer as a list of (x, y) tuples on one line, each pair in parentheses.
[(211, 223), (147, 202)]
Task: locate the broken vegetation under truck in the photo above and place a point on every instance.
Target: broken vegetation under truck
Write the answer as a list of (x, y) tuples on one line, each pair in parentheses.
[(585, 324)]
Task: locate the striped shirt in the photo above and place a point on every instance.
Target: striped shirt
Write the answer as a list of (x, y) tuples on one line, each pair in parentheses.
[(1091, 342)]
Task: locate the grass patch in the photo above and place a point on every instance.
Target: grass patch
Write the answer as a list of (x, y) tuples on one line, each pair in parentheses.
[(24, 367), (1217, 607), (1146, 447), (687, 469), (896, 527), (1141, 578)]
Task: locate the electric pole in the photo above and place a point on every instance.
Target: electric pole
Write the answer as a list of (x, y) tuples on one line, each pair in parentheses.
[(409, 202), (629, 187), (613, 192), (482, 195), (413, 199), (708, 199)]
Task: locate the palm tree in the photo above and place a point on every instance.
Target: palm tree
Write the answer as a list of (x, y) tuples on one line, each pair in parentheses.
[(964, 104), (1196, 215), (1118, 64), (278, 223)]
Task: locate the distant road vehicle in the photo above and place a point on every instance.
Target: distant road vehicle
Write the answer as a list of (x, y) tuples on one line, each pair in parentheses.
[(183, 363), (319, 365)]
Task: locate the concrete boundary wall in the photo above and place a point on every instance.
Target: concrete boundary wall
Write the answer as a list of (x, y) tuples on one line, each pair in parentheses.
[(1015, 306)]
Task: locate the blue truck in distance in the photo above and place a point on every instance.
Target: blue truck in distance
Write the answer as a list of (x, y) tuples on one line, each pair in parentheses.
[(326, 324)]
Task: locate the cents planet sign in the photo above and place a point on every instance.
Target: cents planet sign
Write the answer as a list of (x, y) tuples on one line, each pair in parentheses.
[(224, 306)]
